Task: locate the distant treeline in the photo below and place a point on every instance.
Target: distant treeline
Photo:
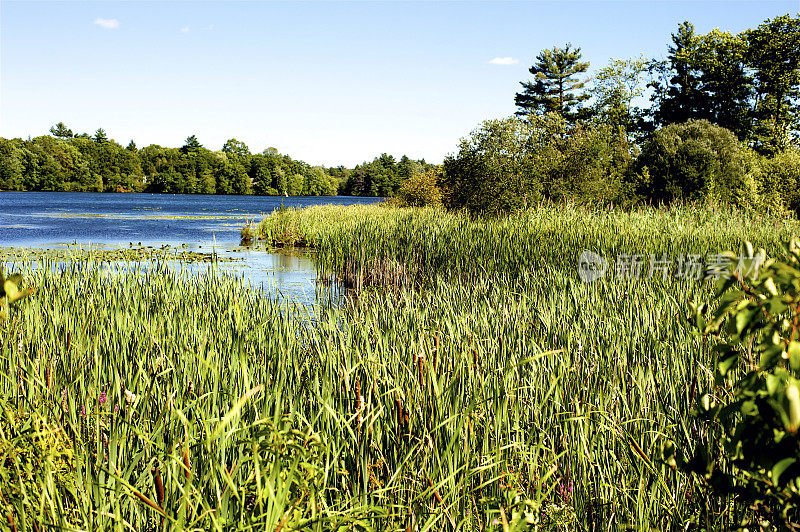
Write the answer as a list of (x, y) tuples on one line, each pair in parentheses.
[(86, 163)]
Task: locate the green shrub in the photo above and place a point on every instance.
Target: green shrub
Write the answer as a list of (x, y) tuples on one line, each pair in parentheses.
[(783, 174), (420, 190), (694, 161), (585, 164), (492, 172), (508, 165), (747, 447)]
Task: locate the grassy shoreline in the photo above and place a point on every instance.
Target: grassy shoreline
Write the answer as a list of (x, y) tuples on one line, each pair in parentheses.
[(390, 245), (165, 401)]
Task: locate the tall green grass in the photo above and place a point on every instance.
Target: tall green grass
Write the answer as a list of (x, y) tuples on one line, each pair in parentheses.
[(515, 397), (364, 244), (430, 410)]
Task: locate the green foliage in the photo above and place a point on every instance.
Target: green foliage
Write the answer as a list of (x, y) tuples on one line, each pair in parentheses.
[(694, 161), (493, 172), (773, 52), (381, 177), (556, 87), (510, 164), (420, 189), (782, 175), (709, 81), (79, 164), (614, 88), (192, 144), (725, 85), (751, 450), (100, 136), (11, 292), (676, 93), (748, 83), (61, 131), (33, 453)]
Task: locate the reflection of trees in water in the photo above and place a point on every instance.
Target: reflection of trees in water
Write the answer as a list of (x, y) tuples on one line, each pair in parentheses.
[(295, 261)]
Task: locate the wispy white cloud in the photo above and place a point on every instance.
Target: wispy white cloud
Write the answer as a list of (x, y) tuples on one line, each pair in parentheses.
[(504, 61), (209, 27), (107, 23), (185, 29)]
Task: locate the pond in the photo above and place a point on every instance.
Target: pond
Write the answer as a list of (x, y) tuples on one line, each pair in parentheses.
[(200, 223)]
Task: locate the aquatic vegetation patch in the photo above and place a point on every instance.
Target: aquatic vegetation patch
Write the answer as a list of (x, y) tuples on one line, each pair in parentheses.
[(133, 253)]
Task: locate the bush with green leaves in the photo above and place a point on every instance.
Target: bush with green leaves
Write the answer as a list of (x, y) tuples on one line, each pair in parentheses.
[(783, 174), (420, 189), (510, 164), (694, 161), (745, 448)]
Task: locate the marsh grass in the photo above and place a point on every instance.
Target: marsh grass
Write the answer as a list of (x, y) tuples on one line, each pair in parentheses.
[(430, 410), (423, 244), (193, 402)]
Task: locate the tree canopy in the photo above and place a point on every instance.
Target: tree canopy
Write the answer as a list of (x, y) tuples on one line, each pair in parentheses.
[(67, 162)]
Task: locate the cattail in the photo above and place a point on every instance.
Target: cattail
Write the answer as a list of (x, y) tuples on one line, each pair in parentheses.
[(159, 485), (402, 418), (421, 366), (436, 353), (439, 501), (186, 462)]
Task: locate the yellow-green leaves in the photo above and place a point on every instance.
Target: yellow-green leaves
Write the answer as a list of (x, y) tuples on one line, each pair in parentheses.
[(794, 355), (11, 292), (793, 398)]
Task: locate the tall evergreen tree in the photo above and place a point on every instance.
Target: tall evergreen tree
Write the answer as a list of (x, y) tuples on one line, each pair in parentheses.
[(677, 95), (192, 144), (725, 86), (773, 52), (100, 136), (556, 86), (61, 131)]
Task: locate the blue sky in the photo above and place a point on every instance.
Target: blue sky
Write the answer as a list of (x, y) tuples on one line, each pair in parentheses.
[(327, 82)]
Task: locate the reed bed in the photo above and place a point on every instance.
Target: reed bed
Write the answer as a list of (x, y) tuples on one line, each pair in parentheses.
[(357, 242), (155, 400), (195, 403)]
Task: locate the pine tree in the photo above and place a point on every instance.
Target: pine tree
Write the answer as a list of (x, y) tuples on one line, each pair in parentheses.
[(100, 136), (679, 98), (192, 144), (773, 52), (556, 86), (61, 131)]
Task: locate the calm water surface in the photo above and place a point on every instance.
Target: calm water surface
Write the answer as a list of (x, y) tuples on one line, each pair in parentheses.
[(204, 223)]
